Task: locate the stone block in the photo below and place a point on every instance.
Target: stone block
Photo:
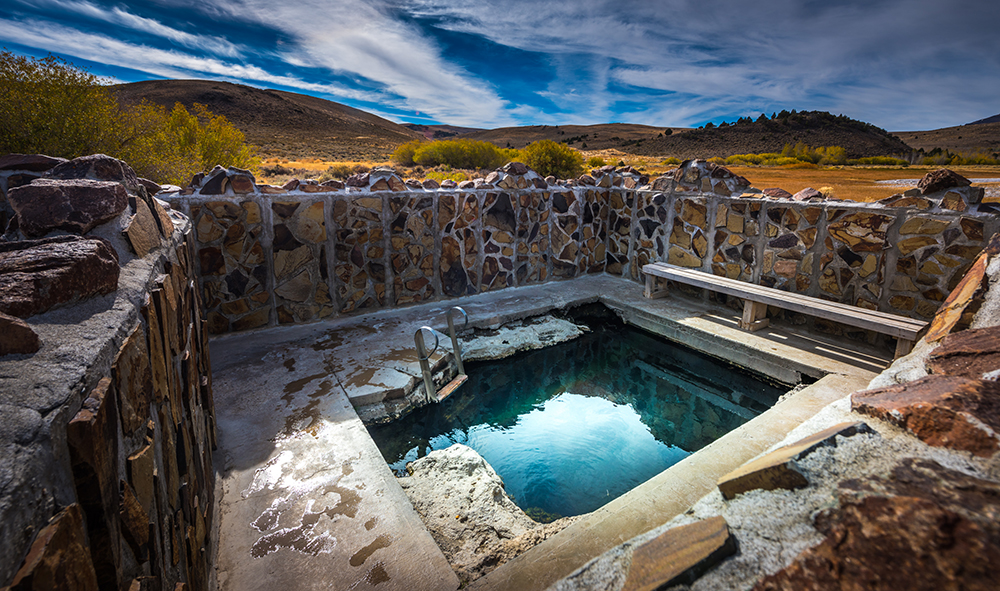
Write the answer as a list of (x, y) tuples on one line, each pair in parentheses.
[(32, 162), (92, 438), (133, 380), (941, 179), (778, 469), (942, 411), (16, 337), (969, 353), (143, 232), (37, 275), (924, 528), (76, 206), (679, 555), (58, 559)]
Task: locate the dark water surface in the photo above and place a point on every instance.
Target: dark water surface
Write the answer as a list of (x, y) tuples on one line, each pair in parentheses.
[(573, 426)]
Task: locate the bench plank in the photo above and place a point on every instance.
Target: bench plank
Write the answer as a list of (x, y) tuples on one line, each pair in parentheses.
[(891, 324)]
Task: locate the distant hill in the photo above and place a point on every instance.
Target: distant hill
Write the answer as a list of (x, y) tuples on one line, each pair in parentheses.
[(815, 128), (283, 124), (582, 137), (440, 132), (981, 136), (993, 119)]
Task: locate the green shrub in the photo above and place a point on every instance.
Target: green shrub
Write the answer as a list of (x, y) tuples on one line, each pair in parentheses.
[(672, 161), (441, 176), (596, 162), (461, 153), (879, 161), (48, 106), (403, 155), (547, 157)]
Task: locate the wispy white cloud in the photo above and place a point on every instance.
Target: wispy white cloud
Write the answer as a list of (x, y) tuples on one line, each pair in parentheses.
[(123, 18), (157, 62), (367, 40)]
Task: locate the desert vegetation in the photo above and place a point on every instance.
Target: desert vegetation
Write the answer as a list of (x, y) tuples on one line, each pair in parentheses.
[(49, 106), (546, 157)]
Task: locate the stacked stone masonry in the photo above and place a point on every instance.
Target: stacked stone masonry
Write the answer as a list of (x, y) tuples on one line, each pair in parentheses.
[(107, 476), (266, 254)]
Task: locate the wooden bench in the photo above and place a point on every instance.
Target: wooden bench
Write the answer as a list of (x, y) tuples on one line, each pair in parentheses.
[(757, 298)]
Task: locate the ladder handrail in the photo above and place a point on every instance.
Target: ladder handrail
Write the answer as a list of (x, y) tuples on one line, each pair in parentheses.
[(454, 338), (423, 356)]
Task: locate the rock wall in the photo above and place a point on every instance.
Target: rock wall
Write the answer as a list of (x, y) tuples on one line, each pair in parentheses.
[(278, 255), (106, 478)]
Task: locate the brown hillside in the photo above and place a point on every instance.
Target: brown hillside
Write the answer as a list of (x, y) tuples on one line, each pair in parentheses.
[(964, 139), (815, 128), (282, 124), (583, 137)]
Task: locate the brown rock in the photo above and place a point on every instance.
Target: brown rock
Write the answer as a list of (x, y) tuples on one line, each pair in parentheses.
[(134, 519), (517, 168), (59, 559), (448, 184), (380, 185), (951, 311), (941, 411), (941, 179), (586, 179), (396, 184), (778, 469), (430, 184), (72, 205), (32, 162), (97, 167), (216, 184), (242, 183), (777, 193), (142, 231), (904, 201), (36, 275), (133, 380), (333, 184), (679, 555), (926, 528), (862, 231), (358, 181), (291, 185), (16, 337), (152, 187), (806, 194), (969, 353)]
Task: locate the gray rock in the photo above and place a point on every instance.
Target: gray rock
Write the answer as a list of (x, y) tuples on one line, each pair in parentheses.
[(522, 335), (462, 501)]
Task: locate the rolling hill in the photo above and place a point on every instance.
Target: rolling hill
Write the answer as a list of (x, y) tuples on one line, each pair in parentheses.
[(297, 126), (979, 136), (282, 124)]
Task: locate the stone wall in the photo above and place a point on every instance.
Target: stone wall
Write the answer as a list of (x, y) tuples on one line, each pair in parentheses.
[(106, 478), (278, 255)]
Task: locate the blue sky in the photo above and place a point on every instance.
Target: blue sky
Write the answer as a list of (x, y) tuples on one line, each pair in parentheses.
[(900, 64)]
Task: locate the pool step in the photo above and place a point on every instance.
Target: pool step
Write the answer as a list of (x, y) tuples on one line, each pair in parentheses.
[(451, 387)]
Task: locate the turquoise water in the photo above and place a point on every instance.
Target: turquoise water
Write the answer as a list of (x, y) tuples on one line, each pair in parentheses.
[(571, 427)]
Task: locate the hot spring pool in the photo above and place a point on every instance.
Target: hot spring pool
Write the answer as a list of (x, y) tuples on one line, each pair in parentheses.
[(573, 426)]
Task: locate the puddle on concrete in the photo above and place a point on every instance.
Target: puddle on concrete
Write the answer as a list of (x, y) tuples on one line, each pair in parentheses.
[(289, 364), (359, 557), (374, 576), (295, 516)]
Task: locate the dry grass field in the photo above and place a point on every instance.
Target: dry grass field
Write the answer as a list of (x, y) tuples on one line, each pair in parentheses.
[(854, 183)]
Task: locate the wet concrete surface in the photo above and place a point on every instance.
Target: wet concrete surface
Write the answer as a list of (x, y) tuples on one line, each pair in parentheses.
[(307, 500)]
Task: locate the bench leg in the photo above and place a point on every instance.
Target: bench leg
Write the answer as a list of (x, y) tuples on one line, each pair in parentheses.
[(651, 291), (903, 347), (754, 316)]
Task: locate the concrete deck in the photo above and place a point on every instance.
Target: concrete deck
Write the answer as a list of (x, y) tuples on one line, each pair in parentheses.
[(308, 502)]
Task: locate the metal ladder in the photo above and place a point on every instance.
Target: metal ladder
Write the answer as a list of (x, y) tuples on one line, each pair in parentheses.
[(424, 357)]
